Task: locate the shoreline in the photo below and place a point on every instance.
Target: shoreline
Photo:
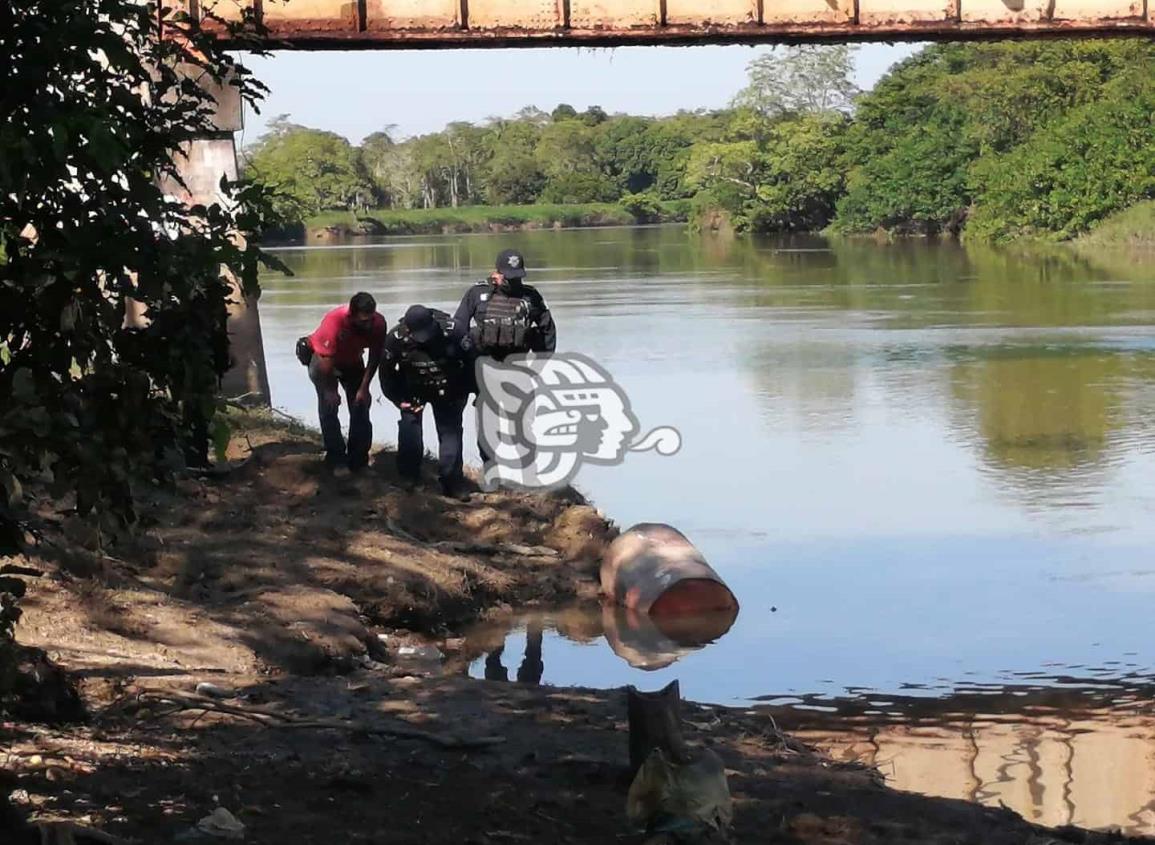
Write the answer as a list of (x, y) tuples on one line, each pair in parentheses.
[(308, 604), (331, 226)]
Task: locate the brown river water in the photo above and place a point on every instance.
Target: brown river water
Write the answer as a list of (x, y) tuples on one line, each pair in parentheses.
[(927, 471)]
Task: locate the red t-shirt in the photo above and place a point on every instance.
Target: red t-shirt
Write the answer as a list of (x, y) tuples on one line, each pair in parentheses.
[(336, 338)]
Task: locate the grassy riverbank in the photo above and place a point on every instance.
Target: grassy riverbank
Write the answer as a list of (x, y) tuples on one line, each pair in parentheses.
[(488, 218), (1132, 228)]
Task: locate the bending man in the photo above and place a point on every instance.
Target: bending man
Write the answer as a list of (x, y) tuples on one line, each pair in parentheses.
[(425, 363), (337, 344)]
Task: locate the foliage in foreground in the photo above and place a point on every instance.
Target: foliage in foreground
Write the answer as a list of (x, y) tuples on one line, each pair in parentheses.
[(94, 114)]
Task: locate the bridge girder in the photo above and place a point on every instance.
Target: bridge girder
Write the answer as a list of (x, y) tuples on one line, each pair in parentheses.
[(445, 24)]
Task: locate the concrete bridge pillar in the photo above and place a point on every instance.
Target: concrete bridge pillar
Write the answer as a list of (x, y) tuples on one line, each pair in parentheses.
[(203, 162)]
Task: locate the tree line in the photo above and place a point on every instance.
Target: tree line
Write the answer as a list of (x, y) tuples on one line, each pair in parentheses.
[(997, 140), (564, 156)]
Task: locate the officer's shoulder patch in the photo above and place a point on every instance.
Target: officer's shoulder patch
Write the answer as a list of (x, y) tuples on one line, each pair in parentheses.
[(484, 297)]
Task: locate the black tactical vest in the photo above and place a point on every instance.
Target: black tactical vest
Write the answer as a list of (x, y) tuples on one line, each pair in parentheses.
[(427, 375), (503, 323)]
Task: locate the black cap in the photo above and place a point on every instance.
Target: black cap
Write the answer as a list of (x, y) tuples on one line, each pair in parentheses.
[(511, 264), (422, 325)]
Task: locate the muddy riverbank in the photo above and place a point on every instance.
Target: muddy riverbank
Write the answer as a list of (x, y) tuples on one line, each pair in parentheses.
[(268, 649)]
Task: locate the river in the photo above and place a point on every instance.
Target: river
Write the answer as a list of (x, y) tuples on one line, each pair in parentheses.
[(927, 471)]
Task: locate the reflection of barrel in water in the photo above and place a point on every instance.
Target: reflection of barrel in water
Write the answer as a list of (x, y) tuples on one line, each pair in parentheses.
[(650, 643), (531, 668), (662, 601)]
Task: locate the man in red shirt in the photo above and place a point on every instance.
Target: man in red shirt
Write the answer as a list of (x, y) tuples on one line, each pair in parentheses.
[(337, 344)]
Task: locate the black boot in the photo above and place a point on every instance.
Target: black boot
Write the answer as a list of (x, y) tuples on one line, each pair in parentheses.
[(454, 490)]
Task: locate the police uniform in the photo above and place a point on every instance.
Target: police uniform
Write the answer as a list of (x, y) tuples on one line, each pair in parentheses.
[(425, 363), (504, 319), (507, 318)]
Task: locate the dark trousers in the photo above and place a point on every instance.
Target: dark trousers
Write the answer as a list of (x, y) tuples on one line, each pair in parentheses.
[(360, 426), (447, 416)]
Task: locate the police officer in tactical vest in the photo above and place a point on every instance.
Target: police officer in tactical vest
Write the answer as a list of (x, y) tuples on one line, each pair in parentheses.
[(507, 316), (425, 362)]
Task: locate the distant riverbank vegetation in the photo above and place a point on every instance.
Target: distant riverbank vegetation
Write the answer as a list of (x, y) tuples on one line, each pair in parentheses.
[(630, 210), (991, 141)]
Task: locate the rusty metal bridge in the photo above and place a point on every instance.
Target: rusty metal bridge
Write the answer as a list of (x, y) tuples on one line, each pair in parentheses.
[(415, 24)]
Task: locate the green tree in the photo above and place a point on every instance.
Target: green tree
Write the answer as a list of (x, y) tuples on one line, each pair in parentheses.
[(470, 153), (376, 151), (917, 187), (567, 156), (787, 179), (514, 178), (578, 188), (94, 118), (434, 167), (393, 171), (807, 79), (564, 111), (310, 169), (534, 115), (514, 175), (919, 136), (645, 208), (594, 115), (624, 149), (1099, 159)]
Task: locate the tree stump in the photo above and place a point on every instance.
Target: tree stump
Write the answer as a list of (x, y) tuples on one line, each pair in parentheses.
[(655, 722)]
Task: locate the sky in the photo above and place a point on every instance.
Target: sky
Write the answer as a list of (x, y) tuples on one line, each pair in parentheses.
[(419, 91)]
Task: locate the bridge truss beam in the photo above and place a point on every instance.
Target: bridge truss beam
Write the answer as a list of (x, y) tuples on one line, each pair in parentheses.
[(433, 24)]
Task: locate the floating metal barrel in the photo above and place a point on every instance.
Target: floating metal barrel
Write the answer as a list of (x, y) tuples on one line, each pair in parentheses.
[(653, 569)]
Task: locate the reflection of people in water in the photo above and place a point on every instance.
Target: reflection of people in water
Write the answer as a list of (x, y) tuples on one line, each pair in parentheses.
[(531, 668)]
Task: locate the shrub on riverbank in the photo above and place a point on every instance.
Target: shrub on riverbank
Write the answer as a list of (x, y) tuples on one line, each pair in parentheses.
[(1094, 162)]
